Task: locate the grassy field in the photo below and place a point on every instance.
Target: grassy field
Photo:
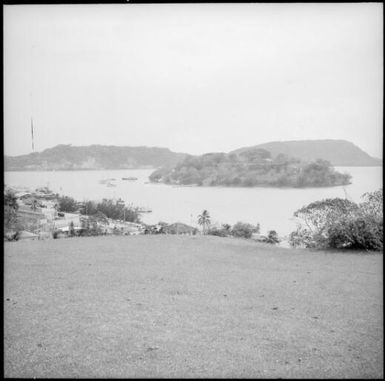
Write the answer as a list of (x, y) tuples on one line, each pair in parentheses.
[(173, 306)]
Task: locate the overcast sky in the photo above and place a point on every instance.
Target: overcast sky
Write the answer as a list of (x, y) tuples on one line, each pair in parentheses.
[(193, 78)]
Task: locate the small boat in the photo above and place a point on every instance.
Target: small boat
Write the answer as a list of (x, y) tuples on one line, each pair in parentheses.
[(106, 181), (111, 185), (130, 178)]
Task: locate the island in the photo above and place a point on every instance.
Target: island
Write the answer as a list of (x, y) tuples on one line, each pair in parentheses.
[(251, 168)]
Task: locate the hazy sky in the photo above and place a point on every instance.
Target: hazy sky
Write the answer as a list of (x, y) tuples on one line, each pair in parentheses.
[(193, 78)]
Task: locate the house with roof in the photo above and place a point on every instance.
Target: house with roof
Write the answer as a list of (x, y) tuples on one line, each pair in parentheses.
[(25, 235)]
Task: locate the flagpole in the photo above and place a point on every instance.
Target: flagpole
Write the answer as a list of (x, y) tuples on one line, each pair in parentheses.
[(33, 146)]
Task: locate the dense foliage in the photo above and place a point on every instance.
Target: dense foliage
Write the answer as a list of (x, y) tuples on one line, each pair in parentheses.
[(244, 230), (114, 209), (272, 237), (10, 211), (250, 168), (338, 223), (223, 231), (240, 230), (67, 204), (90, 226)]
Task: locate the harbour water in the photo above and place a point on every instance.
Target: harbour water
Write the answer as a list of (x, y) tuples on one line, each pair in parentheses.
[(273, 208)]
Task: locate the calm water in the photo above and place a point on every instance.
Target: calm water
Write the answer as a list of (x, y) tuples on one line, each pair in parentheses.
[(271, 207)]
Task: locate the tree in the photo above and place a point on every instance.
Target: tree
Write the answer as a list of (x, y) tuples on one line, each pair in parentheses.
[(359, 232), (340, 223), (89, 208), (250, 168), (204, 220), (373, 204), (364, 229), (67, 204), (272, 237), (226, 227), (223, 231), (244, 230), (318, 215)]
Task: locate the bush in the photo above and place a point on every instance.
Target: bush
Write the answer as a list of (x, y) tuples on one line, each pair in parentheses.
[(244, 230), (359, 233), (337, 223), (218, 232), (67, 204), (301, 238), (272, 237), (114, 209)]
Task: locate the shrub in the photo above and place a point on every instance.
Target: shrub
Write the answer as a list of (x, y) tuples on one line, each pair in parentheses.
[(337, 223), (318, 215), (301, 237), (67, 204), (114, 209), (272, 237), (244, 230), (358, 233), (218, 232), (373, 204)]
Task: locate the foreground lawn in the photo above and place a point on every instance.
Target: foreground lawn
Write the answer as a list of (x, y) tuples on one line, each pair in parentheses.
[(173, 306)]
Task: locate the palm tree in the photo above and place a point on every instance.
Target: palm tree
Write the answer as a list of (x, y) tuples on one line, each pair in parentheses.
[(204, 220), (34, 204)]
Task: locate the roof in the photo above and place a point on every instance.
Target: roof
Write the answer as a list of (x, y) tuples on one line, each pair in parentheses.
[(179, 227), (66, 228), (23, 194), (26, 234)]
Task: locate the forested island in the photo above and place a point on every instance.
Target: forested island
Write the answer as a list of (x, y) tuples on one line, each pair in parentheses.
[(254, 167)]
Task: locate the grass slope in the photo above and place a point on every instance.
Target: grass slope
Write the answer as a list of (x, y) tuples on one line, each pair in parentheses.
[(161, 306)]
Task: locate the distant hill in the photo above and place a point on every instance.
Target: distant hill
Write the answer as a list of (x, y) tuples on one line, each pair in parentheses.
[(337, 152), (68, 157)]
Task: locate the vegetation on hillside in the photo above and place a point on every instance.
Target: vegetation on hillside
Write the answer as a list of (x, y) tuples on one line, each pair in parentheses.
[(337, 152), (338, 223), (107, 208), (250, 168), (67, 204), (114, 209), (67, 157)]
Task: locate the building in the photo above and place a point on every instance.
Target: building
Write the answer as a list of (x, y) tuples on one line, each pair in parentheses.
[(25, 235)]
